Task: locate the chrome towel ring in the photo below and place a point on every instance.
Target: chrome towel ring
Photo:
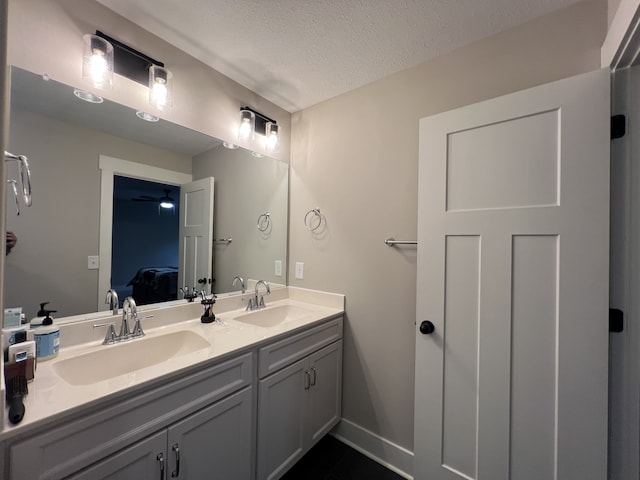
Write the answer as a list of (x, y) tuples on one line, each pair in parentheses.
[(313, 219), (264, 221)]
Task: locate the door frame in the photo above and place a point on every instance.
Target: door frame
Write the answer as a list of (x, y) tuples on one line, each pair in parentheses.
[(621, 51), (109, 167)]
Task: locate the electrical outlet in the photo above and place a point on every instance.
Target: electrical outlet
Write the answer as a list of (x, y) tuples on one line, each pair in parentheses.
[(93, 262), (278, 271), (299, 270)]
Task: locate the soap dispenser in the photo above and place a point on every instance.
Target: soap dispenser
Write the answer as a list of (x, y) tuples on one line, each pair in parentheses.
[(46, 334)]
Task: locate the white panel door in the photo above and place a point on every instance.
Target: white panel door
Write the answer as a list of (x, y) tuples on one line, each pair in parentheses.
[(196, 234), (513, 254)]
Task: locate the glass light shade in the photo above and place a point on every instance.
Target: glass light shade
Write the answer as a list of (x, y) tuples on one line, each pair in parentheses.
[(246, 129), (167, 204), (97, 62), (273, 137), (160, 87)]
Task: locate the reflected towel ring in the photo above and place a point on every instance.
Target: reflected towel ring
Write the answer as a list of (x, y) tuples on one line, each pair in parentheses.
[(316, 219), (15, 195), (264, 221)]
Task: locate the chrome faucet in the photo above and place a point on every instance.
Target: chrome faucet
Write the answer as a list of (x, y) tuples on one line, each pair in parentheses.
[(129, 310), (128, 306), (255, 303), (112, 300), (237, 279)]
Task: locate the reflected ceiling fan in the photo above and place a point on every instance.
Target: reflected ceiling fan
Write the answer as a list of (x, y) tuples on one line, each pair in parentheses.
[(164, 201)]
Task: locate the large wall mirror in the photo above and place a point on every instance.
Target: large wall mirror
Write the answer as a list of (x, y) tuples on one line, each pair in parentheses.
[(67, 142)]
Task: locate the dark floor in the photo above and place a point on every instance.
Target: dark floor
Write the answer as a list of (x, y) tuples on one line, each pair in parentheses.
[(331, 459)]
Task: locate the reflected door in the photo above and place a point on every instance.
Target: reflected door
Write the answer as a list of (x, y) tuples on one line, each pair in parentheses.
[(511, 371), (196, 234)]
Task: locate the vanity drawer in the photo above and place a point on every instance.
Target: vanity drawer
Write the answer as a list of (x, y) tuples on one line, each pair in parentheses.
[(277, 355), (63, 450)]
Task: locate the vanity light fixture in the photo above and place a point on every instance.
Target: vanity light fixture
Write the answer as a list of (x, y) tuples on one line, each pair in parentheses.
[(273, 137), (253, 122), (257, 154), (247, 127), (105, 54), (229, 145), (97, 62), (147, 116)]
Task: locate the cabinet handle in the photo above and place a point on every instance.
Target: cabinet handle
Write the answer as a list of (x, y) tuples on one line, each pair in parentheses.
[(313, 380), (307, 380), (160, 458), (176, 473)]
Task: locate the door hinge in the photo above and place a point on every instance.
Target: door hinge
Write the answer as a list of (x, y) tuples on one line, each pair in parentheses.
[(616, 320), (618, 126)]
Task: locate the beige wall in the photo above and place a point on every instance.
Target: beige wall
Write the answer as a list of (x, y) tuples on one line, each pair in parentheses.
[(60, 229), (265, 183), (356, 158), (50, 41)]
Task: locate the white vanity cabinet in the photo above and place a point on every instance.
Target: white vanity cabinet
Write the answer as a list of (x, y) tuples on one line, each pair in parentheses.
[(215, 443), (301, 400), (209, 415)]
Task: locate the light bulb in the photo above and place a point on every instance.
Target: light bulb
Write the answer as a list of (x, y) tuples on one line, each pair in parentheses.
[(97, 62), (246, 129), (160, 87), (273, 138)]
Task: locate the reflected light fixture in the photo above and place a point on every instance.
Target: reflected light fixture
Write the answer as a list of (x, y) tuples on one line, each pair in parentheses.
[(87, 96), (97, 62), (146, 116), (160, 87), (229, 145)]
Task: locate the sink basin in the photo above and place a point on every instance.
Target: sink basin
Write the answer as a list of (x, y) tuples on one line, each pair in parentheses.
[(111, 361), (272, 316)]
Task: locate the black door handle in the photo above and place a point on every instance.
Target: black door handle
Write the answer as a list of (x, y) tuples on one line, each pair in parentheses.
[(427, 327)]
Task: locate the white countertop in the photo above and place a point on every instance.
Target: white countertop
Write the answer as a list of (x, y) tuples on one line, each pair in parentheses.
[(50, 396)]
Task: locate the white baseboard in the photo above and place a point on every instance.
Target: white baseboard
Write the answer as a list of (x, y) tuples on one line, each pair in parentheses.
[(378, 449)]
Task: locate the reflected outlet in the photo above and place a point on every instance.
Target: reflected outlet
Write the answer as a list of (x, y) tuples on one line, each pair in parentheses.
[(299, 270)]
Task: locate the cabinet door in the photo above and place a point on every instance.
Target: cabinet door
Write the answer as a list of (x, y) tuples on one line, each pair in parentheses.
[(325, 394), (217, 443), (145, 459), (282, 413)]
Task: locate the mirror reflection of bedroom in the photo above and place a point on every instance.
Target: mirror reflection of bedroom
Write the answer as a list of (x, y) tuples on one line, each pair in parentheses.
[(144, 262)]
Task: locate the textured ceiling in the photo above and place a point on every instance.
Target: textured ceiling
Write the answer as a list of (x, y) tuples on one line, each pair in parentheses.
[(297, 53)]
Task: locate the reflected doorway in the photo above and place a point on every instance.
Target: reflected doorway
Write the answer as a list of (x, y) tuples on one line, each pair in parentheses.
[(145, 233)]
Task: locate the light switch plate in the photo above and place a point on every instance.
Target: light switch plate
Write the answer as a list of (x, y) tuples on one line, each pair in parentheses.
[(278, 269), (93, 262)]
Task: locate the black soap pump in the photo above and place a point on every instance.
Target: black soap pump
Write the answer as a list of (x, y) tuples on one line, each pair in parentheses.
[(42, 316)]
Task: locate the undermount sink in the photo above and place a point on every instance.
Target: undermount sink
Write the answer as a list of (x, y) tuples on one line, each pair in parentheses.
[(107, 362), (272, 316)]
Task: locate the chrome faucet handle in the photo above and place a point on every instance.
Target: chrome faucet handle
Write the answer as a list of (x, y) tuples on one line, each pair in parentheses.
[(110, 337), (250, 305), (137, 327)]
